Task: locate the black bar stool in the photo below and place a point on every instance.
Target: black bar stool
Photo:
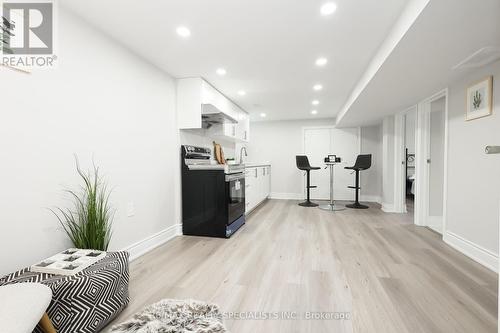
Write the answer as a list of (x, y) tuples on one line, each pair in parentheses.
[(303, 164), (363, 162)]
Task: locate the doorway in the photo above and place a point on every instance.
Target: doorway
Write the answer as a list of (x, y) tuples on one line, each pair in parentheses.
[(405, 139), (409, 155), (431, 162), (435, 165)]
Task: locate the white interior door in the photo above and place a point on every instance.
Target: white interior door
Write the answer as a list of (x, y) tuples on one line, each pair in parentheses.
[(321, 142), (346, 145), (435, 158), (317, 143)]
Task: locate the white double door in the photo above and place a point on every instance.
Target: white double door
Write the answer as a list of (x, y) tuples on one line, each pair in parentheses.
[(324, 141)]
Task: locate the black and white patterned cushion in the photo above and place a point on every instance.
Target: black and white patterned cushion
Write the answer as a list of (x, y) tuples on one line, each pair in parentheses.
[(85, 302)]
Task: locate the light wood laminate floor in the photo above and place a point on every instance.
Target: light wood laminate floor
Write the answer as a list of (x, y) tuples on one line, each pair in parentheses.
[(390, 275)]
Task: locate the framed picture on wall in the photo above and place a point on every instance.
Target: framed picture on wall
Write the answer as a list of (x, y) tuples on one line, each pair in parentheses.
[(479, 99)]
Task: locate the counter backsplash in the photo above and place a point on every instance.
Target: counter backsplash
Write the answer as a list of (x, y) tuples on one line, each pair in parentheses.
[(200, 138)]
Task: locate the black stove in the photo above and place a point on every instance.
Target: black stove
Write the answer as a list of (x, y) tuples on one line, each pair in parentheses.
[(213, 195)]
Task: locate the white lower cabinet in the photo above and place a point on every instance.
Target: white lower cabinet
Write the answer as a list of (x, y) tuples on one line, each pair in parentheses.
[(257, 186)]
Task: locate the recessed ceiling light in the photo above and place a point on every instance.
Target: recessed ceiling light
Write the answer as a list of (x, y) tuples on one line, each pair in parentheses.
[(314, 112), (221, 71), (315, 102), (318, 87), (321, 61), (263, 115), (328, 8), (183, 32), (242, 92)]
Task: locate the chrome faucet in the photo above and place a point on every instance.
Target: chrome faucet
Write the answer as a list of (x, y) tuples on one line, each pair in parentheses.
[(241, 153)]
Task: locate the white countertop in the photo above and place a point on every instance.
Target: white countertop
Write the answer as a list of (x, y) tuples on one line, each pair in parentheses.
[(256, 164), (223, 166), (206, 167)]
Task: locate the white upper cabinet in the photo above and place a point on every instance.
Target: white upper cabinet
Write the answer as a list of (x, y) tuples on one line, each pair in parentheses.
[(239, 132), (243, 126), (190, 97), (199, 105), (214, 102)]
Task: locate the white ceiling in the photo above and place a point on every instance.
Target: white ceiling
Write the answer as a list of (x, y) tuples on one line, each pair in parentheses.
[(447, 32), (267, 46)]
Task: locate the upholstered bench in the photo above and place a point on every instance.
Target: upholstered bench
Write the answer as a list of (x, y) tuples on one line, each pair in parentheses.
[(22, 307), (87, 301)]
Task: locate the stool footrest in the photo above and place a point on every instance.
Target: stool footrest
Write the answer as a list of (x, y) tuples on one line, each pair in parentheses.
[(312, 186), (354, 187)]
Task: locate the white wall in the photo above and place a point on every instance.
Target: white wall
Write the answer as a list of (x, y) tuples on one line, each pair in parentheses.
[(473, 176), (280, 141), (388, 156), (371, 179), (101, 102), (410, 126)]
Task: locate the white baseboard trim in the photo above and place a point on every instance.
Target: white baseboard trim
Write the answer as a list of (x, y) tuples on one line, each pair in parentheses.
[(477, 253), (388, 208), (144, 246), (286, 196)]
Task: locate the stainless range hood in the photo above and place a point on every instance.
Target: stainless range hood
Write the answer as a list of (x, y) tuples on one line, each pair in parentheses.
[(210, 116)]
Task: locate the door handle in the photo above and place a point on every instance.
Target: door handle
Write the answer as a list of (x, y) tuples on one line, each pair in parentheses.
[(492, 149)]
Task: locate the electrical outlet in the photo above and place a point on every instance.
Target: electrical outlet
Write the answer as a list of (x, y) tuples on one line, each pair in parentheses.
[(130, 209)]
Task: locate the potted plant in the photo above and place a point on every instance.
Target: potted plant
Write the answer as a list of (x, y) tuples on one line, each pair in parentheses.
[(88, 223)]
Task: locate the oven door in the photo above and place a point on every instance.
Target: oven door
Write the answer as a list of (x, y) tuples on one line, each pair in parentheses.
[(235, 196)]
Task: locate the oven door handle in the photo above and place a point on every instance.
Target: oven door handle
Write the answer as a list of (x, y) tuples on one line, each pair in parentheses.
[(230, 178)]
